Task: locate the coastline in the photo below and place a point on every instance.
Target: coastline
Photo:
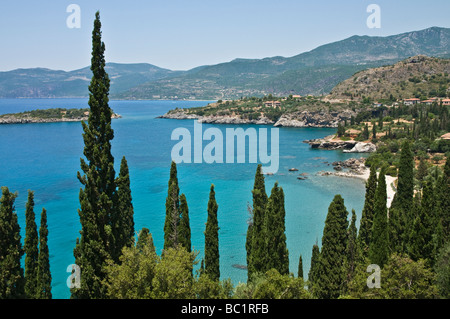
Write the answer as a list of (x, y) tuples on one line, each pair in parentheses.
[(14, 119), (364, 175)]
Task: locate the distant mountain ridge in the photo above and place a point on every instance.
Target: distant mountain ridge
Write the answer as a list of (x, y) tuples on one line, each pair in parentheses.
[(46, 83), (315, 72)]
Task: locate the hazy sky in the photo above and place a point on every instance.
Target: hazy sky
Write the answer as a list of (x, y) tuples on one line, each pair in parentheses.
[(182, 34)]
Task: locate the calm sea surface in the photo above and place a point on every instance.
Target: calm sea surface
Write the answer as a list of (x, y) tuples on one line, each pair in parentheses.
[(45, 158)]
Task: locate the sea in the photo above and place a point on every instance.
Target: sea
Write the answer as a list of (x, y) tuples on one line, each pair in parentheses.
[(45, 158)]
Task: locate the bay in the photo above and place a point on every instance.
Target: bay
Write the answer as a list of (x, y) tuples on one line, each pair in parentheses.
[(45, 158)]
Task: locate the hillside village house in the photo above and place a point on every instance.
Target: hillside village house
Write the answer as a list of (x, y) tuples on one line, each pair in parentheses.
[(446, 102), (411, 101), (428, 102), (273, 104)]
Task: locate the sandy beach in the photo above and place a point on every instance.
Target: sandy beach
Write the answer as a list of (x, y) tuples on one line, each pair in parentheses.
[(390, 182)]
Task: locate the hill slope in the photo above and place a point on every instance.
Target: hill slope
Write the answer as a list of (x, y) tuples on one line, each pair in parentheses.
[(420, 77)]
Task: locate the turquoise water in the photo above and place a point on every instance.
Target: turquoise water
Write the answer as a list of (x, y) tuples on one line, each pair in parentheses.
[(46, 157)]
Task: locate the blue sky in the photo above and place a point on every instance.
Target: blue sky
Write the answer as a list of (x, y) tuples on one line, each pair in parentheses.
[(182, 34)]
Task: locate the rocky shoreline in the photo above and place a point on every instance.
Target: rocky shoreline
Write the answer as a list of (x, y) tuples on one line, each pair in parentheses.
[(350, 146), (295, 119), (14, 119)]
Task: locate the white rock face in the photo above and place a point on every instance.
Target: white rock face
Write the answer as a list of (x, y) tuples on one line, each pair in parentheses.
[(362, 148)]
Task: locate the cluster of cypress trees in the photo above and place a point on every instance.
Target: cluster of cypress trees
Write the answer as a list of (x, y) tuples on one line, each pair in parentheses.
[(415, 226), (177, 230), (35, 281), (266, 239)]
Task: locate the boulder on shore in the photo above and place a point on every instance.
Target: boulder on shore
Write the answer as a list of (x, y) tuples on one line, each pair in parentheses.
[(362, 148)]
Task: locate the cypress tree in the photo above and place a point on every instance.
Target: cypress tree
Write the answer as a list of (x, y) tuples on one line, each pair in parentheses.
[(352, 251), (314, 265), (443, 202), (30, 248), (145, 239), (256, 237), (365, 227), (401, 207), (212, 268), (379, 245), (300, 267), (97, 199), (172, 210), (12, 281), (277, 252), (185, 228), (366, 132), (123, 230), (421, 245), (248, 243), (44, 277), (422, 171), (330, 272)]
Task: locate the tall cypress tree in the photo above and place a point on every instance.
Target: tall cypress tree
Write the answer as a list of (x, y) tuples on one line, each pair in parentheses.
[(365, 227), (300, 267), (312, 274), (379, 245), (172, 210), (400, 218), (30, 248), (212, 268), (44, 277), (12, 281), (330, 272), (352, 251), (443, 203), (123, 229), (421, 244), (277, 252), (185, 228), (256, 252), (97, 199)]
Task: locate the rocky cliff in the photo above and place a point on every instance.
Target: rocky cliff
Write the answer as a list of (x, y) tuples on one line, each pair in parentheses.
[(293, 119), (314, 118)]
